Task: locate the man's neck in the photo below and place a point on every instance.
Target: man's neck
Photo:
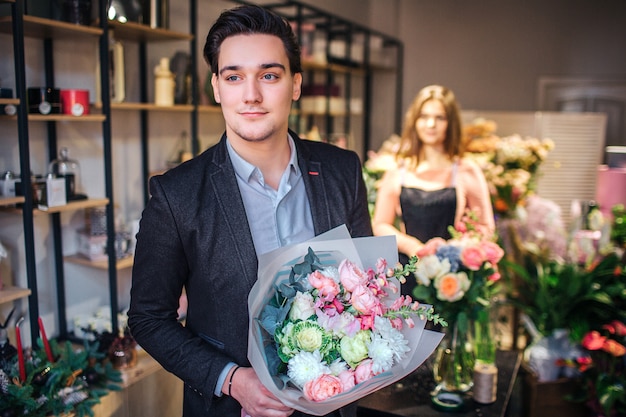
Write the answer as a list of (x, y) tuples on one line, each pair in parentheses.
[(270, 156)]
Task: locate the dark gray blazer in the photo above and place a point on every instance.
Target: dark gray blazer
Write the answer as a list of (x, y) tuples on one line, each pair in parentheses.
[(194, 235)]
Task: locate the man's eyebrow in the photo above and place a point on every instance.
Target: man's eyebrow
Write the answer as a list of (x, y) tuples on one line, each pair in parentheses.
[(262, 66)]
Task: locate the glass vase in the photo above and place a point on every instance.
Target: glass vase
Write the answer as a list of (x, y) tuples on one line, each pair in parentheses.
[(453, 370)]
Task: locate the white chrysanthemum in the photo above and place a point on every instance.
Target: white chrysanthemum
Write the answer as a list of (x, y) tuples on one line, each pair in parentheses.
[(306, 366), (388, 345), (338, 366), (381, 354)]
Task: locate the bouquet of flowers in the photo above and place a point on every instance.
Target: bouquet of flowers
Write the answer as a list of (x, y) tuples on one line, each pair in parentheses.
[(459, 275), (325, 331)]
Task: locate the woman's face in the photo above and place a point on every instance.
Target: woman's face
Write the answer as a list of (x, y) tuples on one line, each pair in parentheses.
[(432, 123)]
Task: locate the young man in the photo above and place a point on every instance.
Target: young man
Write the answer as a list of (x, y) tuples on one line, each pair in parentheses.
[(259, 188)]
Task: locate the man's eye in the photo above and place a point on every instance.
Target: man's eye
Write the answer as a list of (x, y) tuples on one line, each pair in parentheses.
[(270, 77), (232, 78)]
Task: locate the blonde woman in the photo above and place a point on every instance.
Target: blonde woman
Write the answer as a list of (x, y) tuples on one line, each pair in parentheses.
[(433, 185)]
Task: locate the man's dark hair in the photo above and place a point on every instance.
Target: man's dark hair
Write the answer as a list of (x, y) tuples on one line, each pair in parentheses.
[(248, 20)]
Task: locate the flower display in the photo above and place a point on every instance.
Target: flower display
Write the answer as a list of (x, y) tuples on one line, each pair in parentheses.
[(460, 274), (330, 331), (510, 163), (603, 369)]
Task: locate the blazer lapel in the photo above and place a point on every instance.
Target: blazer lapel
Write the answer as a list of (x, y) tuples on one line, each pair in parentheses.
[(226, 192), (314, 183)]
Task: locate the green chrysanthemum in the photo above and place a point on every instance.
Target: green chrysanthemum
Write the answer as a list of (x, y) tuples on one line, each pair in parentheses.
[(303, 336)]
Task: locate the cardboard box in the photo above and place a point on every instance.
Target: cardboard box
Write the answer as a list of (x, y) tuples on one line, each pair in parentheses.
[(54, 193)]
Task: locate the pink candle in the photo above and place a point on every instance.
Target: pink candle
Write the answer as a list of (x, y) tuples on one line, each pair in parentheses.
[(20, 354), (46, 344)]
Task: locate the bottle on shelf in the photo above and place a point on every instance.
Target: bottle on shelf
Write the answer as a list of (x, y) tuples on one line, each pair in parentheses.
[(163, 83), (116, 68)]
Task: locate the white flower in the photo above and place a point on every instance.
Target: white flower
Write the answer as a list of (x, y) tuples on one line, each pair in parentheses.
[(387, 347), (381, 354), (306, 366), (338, 366), (303, 306), (429, 268)]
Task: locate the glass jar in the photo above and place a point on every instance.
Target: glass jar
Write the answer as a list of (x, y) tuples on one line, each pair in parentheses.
[(69, 169)]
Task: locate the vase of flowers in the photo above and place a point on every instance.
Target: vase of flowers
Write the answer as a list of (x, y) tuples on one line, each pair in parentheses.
[(459, 277), (454, 364)]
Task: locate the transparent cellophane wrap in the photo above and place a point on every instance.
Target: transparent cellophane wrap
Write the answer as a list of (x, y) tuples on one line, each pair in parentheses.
[(331, 247)]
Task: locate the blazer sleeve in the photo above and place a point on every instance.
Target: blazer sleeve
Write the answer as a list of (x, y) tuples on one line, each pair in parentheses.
[(159, 273)]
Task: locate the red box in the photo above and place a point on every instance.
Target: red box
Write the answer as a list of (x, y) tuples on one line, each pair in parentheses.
[(75, 102)]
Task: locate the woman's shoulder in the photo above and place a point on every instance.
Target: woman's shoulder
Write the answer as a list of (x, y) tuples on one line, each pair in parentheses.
[(469, 165)]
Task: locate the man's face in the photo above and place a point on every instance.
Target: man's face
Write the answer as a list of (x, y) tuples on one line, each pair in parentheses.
[(255, 87)]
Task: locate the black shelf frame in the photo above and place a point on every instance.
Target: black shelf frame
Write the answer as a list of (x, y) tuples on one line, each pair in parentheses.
[(336, 28)]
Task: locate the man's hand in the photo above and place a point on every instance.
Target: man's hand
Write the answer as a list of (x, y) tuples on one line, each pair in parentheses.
[(256, 400)]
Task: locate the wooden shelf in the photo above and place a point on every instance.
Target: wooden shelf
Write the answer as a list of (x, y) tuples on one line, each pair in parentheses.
[(81, 260), (66, 118), (318, 66), (76, 205), (38, 27), (11, 201), (145, 367), (15, 101), (137, 32), (186, 108), (8, 294)]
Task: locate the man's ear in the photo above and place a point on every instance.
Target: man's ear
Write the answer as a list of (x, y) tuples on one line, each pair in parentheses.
[(216, 90), (297, 86)]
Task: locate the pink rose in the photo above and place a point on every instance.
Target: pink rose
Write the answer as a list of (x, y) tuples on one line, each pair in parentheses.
[(322, 388), (328, 289), (430, 247), (472, 257), (351, 276), (347, 379), (365, 301), (363, 372), (493, 252)]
